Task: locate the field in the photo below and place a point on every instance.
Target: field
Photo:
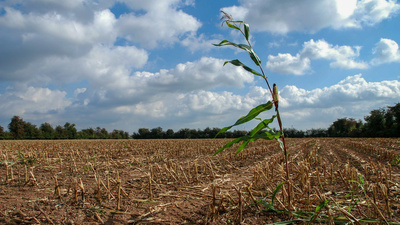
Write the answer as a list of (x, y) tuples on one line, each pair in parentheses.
[(181, 182)]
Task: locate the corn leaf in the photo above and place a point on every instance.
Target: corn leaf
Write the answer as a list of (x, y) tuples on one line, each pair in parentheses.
[(232, 26), (263, 124), (244, 47), (238, 63), (251, 115), (247, 139), (246, 31), (275, 192)]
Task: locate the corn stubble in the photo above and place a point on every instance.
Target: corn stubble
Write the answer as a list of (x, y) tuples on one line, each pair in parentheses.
[(163, 181)]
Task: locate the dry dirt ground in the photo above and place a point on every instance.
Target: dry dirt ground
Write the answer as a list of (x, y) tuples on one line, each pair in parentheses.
[(181, 182)]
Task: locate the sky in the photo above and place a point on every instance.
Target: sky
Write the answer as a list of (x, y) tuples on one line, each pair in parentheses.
[(131, 64)]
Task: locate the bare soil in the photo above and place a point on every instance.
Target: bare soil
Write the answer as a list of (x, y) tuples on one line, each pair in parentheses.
[(181, 182)]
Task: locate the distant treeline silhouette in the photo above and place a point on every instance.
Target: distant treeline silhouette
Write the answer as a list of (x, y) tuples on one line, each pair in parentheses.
[(383, 122)]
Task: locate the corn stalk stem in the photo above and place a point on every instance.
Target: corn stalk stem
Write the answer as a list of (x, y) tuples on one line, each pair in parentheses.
[(277, 116)]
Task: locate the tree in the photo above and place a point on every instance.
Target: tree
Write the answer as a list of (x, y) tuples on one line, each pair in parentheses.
[(157, 133), (169, 133), (344, 127), (87, 133), (394, 111), (375, 123), (60, 133), (16, 127), (1, 132), (47, 131), (144, 133), (70, 131), (31, 131)]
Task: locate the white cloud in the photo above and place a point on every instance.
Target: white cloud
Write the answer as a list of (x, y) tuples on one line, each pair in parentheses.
[(196, 42), (22, 100), (351, 97), (386, 51), (342, 56), (288, 64), (311, 15), (371, 12), (163, 25)]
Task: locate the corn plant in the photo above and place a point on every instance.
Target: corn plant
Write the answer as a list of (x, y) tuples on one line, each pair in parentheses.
[(262, 130)]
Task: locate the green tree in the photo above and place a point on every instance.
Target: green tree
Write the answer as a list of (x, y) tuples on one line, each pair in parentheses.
[(1, 132), (17, 127), (88, 133), (60, 133), (47, 131), (101, 133), (31, 131), (157, 133), (345, 127), (70, 131), (144, 133), (394, 111), (375, 123), (169, 133)]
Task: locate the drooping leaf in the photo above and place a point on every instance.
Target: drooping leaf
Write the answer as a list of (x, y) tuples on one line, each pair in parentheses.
[(238, 63), (229, 144), (263, 124), (322, 205), (243, 145), (281, 145), (251, 115), (275, 192), (319, 208), (244, 47), (255, 57), (232, 26), (246, 31), (270, 208), (248, 139), (288, 222)]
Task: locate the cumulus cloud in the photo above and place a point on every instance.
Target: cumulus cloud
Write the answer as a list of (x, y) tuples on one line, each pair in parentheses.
[(32, 101), (162, 23), (386, 51), (351, 97), (204, 74), (65, 33), (343, 57), (288, 64), (311, 15)]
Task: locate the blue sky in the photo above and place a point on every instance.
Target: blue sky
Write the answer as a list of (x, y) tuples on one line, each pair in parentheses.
[(129, 64)]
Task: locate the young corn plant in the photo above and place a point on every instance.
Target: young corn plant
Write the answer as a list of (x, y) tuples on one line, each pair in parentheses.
[(262, 130)]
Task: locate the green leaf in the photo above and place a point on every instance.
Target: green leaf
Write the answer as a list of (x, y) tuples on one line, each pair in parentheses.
[(248, 139), (251, 115), (275, 192), (238, 63), (322, 205), (263, 124), (270, 208), (288, 222), (229, 144), (244, 47), (246, 31), (231, 25), (255, 57), (243, 145)]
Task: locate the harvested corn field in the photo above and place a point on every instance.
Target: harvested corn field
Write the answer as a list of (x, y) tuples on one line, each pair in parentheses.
[(181, 182)]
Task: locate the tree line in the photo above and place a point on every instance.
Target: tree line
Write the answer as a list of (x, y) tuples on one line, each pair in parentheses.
[(383, 122), (20, 129)]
